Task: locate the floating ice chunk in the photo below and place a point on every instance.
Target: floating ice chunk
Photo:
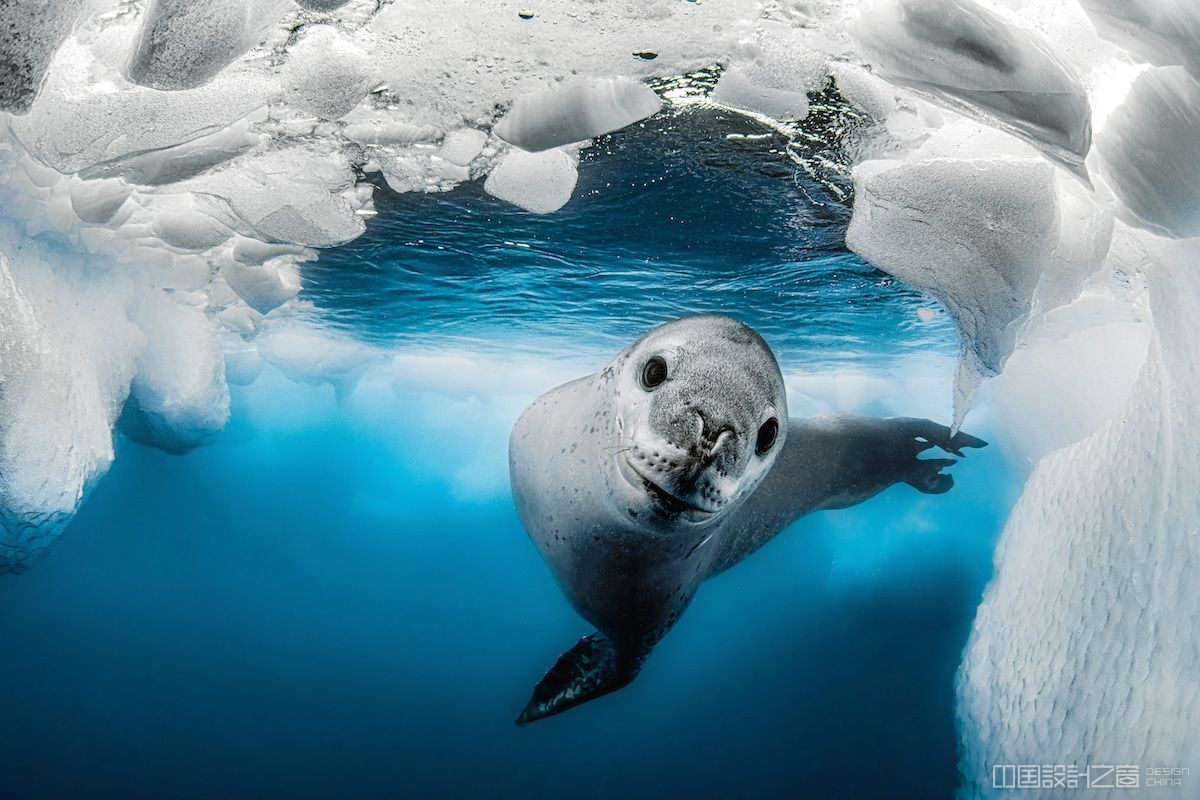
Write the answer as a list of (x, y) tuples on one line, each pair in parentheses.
[(963, 55), (418, 168), (538, 182), (183, 44), (775, 78), (460, 147), (1161, 32), (1150, 150), (374, 128), (576, 111), (29, 34), (263, 286), (975, 234), (738, 88), (326, 74), (179, 399)]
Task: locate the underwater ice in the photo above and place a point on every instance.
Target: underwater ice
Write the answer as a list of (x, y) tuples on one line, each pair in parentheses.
[(1160, 32), (30, 33), (575, 112), (169, 168), (960, 53), (185, 43), (983, 236), (1159, 194)]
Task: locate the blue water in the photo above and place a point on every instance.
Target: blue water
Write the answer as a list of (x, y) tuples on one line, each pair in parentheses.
[(336, 599), (669, 218)]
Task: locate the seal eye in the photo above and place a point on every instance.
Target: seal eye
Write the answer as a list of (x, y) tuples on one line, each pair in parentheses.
[(766, 436), (654, 373)]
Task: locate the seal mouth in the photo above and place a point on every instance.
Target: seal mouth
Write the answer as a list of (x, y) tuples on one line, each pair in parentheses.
[(668, 502)]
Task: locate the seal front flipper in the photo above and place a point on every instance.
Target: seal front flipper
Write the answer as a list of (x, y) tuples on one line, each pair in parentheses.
[(592, 668), (915, 436), (927, 476)]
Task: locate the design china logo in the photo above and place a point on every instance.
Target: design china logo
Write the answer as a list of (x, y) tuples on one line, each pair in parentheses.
[(1091, 776)]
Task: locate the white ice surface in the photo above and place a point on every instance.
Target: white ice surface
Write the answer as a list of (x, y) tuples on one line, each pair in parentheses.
[(576, 111), (980, 235), (961, 53), (538, 182), (1160, 32), (327, 74), (1150, 152), (182, 44), (30, 32)]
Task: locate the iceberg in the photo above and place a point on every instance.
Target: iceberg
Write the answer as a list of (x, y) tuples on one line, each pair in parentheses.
[(61, 389), (1093, 573)]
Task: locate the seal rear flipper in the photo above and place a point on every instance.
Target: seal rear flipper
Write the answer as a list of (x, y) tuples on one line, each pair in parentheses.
[(590, 669)]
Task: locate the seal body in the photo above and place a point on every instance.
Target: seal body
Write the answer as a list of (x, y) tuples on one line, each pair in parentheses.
[(671, 464)]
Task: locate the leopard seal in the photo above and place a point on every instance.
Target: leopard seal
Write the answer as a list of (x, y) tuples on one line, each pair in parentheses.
[(670, 465)]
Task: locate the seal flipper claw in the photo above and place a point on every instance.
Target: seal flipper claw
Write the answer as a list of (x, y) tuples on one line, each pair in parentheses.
[(590, 669), (960, 440), (926, 433)]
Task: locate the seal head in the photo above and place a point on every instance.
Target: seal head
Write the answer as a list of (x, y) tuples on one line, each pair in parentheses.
[(700, 412)]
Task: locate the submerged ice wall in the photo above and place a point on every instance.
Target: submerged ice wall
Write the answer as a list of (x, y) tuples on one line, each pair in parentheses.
[(168, 168), (1084, 650)]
